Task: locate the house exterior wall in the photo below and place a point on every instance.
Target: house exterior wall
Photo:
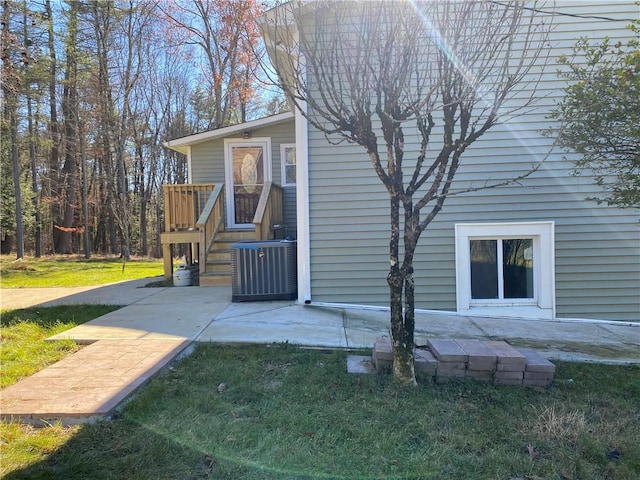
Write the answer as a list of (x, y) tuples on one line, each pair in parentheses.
[(597, 247), (207, 164)]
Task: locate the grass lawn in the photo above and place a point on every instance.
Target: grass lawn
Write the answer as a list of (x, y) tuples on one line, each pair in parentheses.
[(284, 413), (25, 350), (72, 271)]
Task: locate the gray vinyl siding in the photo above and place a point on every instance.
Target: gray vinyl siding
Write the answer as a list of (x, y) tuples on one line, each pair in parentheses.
[(289, 205), (207, 164), (597, 247)]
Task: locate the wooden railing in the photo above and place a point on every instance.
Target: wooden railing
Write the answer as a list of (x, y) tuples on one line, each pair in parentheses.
[(209, 224), (183, 204), (195, 213), (269, 211)]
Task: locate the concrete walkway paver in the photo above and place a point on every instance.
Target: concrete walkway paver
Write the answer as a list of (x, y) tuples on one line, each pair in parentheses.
[(89, 384), (121, 293), (172, 313), (129, 345)]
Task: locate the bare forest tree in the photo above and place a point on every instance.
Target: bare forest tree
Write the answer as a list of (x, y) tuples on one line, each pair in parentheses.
[(375, 73), (65, 224), (90, 91), (226, 35)]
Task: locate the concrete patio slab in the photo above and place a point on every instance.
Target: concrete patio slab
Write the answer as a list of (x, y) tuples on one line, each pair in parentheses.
[(625, 333), (363, 327), (271, 309), (187, 297), (276, 322), (429, 325), (542, 330), (15, 298), (246, 333)]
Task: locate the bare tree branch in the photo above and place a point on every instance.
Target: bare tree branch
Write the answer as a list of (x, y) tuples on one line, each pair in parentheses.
[(376, 73)]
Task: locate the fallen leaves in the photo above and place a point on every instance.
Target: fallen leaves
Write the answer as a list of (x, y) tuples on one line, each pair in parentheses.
[(534, 453), (207, 464), (566, 475)]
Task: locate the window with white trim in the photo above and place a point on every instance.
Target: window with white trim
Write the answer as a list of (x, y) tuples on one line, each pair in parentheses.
[(505, 269), (288, 156)]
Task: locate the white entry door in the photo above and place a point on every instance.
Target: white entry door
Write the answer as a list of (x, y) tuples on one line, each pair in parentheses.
[(247, 168)]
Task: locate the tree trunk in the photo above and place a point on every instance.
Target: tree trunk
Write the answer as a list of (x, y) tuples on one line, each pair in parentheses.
[(32, 151), (70, 113), (113, 236), (34, 181), (52, 183), (144, 242), (16, 180), (157, 253), (85, 200), (402, 336)]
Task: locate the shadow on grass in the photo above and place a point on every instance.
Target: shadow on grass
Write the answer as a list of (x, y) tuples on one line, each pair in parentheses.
[(284, 413), (48, 317), (117, 450)]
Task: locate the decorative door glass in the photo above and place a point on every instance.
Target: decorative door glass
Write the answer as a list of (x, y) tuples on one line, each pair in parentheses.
[(248, 181)]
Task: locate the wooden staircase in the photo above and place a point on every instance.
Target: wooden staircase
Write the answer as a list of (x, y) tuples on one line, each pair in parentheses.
[(194, 215), (219, 258)]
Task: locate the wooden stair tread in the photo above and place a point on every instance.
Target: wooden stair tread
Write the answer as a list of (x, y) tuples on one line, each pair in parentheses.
[(215, 279)]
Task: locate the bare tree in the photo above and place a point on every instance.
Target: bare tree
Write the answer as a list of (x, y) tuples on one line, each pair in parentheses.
[(119, 32), (52, 182), (224, 33), (27, 20), (374, 73), (70, 114)]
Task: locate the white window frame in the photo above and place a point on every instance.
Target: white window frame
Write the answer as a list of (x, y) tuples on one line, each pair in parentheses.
[(543, 303), (283, 163)]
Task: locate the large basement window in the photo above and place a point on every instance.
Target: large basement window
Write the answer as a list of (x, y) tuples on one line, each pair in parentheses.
[(505, 269)]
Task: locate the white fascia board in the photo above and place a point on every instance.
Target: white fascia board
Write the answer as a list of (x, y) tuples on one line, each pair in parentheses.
[(181, 144)]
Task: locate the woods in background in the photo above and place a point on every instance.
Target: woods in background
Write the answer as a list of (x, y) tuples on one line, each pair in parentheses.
[(90, 91)]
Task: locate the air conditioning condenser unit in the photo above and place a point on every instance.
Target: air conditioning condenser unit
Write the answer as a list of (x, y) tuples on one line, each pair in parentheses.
[(263, 270)]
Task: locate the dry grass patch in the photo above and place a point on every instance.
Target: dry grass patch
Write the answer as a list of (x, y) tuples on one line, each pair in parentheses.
[(551, 423)]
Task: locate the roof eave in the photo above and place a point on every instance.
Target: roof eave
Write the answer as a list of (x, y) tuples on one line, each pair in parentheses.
[(182, 144)]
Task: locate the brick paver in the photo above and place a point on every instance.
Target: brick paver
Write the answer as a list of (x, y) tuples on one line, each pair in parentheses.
[(484, 360)]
